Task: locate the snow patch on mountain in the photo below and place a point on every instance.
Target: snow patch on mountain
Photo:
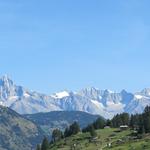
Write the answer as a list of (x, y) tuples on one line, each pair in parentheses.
[(26, 95), (119, 107), (92, 100), (110, 91), (2, 103), (138, 96), (60, 95), (98, 104)]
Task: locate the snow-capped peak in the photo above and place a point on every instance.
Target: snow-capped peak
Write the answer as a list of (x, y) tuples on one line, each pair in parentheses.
[(138, 96), (107, 91), (6, 81), (60, 94), (110, 91), (91, 100), (98, 104), (146, 91)]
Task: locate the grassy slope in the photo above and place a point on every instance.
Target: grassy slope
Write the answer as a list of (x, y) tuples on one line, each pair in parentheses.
[(143, 144), (105, 136)]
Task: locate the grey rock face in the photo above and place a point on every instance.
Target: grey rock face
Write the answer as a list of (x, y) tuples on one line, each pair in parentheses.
[(92, 100)]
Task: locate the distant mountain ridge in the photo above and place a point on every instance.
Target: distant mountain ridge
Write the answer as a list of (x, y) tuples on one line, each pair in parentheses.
[(61, 119), (92, 100)]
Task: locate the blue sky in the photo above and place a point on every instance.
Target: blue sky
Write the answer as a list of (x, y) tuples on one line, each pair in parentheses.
[(54, 45)]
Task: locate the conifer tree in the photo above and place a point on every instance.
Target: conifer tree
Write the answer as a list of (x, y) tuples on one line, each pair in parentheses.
[(66, 133), (92, 131), (38, 147), (73, 129), (99, 124), (45, 144), (56, 135)]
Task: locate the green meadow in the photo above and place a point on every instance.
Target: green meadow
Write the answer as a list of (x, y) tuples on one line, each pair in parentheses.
[(110, 138)]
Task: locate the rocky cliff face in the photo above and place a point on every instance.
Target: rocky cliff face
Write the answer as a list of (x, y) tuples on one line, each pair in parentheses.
[(102, 102)]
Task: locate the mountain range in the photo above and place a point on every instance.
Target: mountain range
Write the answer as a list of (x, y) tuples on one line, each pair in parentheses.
[(91, 100)]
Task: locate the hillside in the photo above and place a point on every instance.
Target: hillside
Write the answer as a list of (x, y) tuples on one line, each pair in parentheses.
[(61, 119), (122, 132), (119, 141), (16, 132)]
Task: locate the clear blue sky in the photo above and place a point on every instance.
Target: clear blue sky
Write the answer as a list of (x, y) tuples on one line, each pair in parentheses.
[(52, 45)]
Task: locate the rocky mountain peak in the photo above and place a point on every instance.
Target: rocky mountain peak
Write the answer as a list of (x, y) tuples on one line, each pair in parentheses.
[(92, 100), (146, 91), (6, 81)]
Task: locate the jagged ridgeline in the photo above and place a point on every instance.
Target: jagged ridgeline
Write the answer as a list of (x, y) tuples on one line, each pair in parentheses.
[(92, 100), (16, 132)]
